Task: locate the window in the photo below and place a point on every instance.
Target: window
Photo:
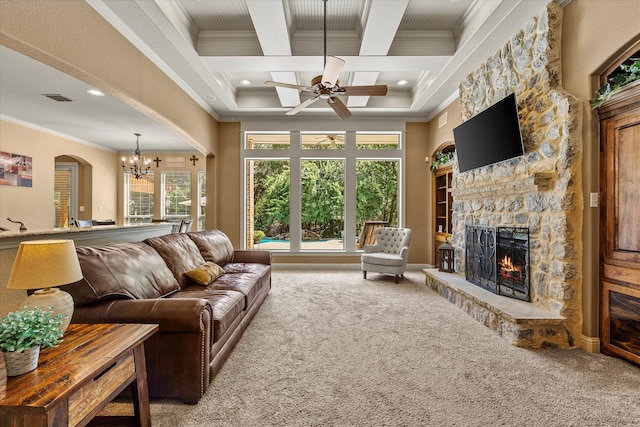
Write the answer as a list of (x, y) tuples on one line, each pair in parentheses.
[(314, 191), (138, 198), (176, 203)]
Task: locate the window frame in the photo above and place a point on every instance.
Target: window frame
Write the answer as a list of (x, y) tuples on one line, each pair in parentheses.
[(350, 154)]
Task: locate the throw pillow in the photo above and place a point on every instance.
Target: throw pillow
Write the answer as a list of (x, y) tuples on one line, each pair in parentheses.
[(205, 273)]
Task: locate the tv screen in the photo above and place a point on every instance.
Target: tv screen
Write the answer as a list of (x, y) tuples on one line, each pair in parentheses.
[(490, 136)]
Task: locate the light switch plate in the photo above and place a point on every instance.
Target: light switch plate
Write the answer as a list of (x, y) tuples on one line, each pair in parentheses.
[(593, 200)]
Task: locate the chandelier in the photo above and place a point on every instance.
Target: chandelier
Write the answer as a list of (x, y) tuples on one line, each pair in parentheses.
[(138, 165)]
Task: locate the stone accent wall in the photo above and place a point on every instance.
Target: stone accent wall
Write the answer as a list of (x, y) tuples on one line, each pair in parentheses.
[(542, 189)]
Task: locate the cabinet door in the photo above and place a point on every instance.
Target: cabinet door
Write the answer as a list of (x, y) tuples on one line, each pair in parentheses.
[(620, 235)]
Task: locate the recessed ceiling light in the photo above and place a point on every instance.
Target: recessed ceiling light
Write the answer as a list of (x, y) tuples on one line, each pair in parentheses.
[(402, 82), (95, 92), (210, 97), (245, 82)]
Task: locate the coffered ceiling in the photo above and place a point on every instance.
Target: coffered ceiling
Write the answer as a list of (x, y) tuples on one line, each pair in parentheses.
[(222, 51)]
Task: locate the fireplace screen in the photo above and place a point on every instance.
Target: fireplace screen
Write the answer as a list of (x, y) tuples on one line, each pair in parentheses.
[(480, 256), (497, 259)]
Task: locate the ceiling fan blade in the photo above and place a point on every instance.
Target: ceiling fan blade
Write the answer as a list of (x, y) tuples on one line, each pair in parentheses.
[(288, 85), (374, 90), (338, 106), (332, 70), (301, 106)]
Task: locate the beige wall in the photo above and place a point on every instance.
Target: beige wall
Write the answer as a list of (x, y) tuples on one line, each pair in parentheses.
[(34, 205), (593, 33), (72, 37)]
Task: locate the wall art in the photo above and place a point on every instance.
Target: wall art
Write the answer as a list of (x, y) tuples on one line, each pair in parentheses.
[(15, 169)]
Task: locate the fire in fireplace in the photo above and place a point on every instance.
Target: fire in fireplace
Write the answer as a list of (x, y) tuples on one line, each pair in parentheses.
[(513, 262), (497, 259)]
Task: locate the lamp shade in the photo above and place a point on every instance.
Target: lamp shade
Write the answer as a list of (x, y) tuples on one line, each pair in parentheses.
[(44, 264)]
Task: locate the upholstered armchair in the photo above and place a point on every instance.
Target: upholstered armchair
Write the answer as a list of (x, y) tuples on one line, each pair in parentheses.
[(389, 254)]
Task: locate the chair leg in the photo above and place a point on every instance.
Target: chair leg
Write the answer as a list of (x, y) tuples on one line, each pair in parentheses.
[(364, 274), (397, 278)]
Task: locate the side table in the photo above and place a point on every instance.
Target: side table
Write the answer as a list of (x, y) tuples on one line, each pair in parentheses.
[(76, 380)]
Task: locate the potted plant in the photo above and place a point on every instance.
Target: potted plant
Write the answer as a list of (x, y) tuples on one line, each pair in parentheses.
[(257, 236), (441, 158), (23, 333)]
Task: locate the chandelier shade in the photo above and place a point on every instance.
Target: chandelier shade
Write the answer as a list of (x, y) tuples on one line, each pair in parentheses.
[(137, 165)]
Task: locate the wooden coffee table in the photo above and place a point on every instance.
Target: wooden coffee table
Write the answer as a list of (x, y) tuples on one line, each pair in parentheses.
[(77, 379)]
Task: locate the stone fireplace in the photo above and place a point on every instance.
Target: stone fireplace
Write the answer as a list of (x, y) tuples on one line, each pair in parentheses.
[(539, 192)]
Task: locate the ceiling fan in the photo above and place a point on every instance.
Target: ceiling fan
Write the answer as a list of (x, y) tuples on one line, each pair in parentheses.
[(331, 140), (326, 86)]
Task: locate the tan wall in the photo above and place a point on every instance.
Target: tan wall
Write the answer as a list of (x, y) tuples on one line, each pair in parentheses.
[(34, 205), (228, 179), (418, 192), (72, 37), (593, 33)]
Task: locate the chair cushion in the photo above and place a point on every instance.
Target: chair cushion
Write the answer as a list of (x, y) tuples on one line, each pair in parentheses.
[(381, 258)]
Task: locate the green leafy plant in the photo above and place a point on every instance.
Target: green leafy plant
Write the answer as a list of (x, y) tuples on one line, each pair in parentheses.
[(21, 330), (258, 235), (628, 74), (441, 159)]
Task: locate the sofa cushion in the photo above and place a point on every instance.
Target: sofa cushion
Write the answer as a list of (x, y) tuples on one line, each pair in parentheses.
[(249, 279), (214, 246), (179, 253), (205, 274), (122, 270), (226, 306)]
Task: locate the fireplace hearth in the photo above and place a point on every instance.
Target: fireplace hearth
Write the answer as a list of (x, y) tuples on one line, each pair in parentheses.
[(497, 260)]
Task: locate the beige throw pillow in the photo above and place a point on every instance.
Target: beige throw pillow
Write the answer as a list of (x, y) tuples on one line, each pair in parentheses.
[(205, 273)]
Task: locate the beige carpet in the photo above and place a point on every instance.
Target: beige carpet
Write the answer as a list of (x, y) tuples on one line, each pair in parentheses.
[(332, 349)]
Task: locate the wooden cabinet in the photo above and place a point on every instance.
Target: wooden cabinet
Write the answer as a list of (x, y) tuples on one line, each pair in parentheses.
[(620, 224), (442, 205)]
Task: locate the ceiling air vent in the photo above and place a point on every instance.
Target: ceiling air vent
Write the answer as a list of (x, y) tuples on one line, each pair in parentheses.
[(56, 97)]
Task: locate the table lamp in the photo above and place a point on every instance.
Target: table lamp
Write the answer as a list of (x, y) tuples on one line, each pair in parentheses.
[(43, 264)]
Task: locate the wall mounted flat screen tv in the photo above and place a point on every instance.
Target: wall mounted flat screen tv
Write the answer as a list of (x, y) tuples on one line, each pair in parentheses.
[(490, 136)]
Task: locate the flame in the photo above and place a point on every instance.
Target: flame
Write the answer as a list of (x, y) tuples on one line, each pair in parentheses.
[(506, 267)]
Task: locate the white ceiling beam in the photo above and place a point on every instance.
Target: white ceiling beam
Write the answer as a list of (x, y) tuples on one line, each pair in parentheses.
[(270, 23), (314, 63), (379, 32)]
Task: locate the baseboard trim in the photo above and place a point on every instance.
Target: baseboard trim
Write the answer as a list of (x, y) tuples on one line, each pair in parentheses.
[(590, 344), (334, 266)]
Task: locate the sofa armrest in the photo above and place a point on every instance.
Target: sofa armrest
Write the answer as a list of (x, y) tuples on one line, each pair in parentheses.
[(252, 256), (172, 315)]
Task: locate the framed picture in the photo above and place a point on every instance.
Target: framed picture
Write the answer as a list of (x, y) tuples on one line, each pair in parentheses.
[(15, 169), (176, 162)]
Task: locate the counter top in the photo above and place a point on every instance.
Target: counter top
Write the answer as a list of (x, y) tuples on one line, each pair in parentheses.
[(99, 234)]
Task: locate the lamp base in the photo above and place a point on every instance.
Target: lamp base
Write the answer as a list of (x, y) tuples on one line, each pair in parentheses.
[(59, 302)]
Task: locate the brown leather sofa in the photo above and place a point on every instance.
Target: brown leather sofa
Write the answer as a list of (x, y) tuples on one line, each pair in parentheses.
[(146, 282)]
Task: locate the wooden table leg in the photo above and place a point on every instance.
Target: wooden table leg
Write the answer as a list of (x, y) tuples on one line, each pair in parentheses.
[(140, 389)]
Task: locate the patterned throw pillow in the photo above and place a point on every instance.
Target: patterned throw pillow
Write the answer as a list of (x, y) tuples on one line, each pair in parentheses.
[(205, 273)]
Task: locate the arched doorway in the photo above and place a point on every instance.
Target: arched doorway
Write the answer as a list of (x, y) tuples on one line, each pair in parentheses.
[(72, 190)]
